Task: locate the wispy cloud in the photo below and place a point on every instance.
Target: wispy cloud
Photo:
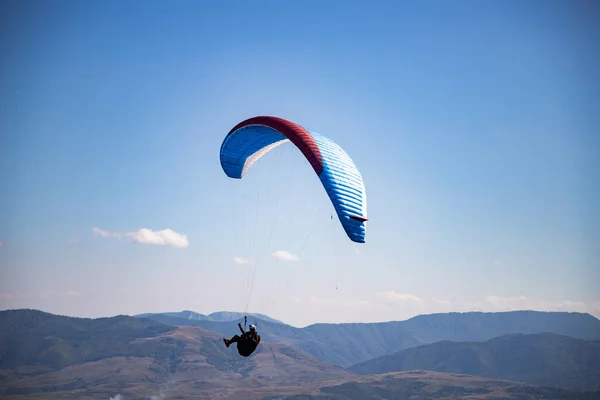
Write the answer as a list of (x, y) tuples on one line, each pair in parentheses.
[(491, 303), (103, 233), (72, 241), (12, 296), (72, 293), (327, 301), (242, 260), (445, 303), (165, 237), (1, 244), (393, 296), (500, 303), (413, 304), (285, 255)]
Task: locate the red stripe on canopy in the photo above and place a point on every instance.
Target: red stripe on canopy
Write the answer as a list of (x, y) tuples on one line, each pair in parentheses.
[(294, 132)]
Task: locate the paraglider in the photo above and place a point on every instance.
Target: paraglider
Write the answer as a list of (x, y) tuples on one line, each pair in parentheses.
[(251, 139), (247, 343)]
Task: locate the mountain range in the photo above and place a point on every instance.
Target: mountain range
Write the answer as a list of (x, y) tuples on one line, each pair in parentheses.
[(45, 356), (219, 316), (347, 344), (539, 358)]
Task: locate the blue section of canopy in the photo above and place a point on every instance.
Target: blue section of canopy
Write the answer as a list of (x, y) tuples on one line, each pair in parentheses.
[(340, 178), (344, 185), (245, 146)]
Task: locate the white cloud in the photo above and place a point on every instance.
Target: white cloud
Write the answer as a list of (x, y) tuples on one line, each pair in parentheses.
[(242, 260), (72, 293), (285, 255), (166, 237), (497, 262), (103, 233), (72, 240), (394, 296), (6, 296)]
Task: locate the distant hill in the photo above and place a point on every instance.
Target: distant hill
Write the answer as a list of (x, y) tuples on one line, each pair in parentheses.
[(478, 326), (541, 359), (352, 343), (46, 356), (186, 314), (52, 341), (219, 316), (44, 353), (228, 316)]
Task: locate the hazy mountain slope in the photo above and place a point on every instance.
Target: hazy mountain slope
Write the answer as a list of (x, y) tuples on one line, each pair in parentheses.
[(228, 316), (479, 326), (351, 343), (273, 332), (185, 314), (30, 336), (542, 358), (141, 359), (345, 344), (219, 316), (342, 344), (139, 364)]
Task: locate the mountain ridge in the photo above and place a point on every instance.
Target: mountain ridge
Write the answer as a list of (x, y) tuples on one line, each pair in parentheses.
[(541, 358), (346, 344), (217, 316), (44, 356), (43, 353)]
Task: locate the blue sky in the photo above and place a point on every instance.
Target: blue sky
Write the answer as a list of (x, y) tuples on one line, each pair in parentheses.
[(474, 124)]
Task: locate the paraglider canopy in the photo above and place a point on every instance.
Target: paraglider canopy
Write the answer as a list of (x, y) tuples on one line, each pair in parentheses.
[(251, 139)]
